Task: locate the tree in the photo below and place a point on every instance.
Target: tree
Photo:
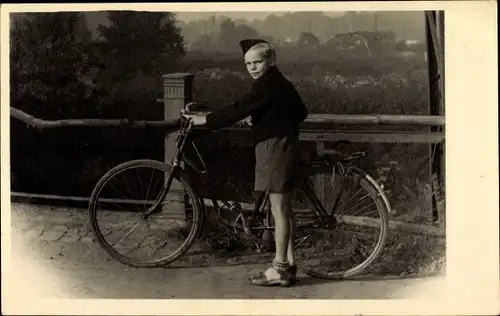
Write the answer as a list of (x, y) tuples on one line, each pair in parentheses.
[(194, 29), (146, 42), (244, 31), (231, 34), (203, 42), (49, 60), (273, 26), (49, 65), (227, 32)]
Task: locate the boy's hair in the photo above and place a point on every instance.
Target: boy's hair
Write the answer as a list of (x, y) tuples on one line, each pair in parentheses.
[(266, 50)]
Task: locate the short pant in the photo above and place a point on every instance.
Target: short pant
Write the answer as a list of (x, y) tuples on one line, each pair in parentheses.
[(276, 164)]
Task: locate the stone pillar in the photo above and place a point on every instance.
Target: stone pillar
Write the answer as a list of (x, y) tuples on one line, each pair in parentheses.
[(178, 91)]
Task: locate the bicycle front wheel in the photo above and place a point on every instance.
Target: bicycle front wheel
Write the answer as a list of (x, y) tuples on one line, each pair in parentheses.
[(120, 201), (347, 248)]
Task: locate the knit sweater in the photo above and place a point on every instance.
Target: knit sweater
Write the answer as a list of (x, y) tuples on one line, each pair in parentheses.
[(273, 103)]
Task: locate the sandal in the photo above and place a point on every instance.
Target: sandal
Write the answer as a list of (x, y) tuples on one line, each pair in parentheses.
[(284, 279)]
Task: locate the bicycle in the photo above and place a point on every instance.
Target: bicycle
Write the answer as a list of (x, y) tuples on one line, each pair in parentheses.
[(186, 215)]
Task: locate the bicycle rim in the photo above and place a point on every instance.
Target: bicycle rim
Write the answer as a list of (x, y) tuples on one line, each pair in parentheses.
[(175, 227), (347, 249)]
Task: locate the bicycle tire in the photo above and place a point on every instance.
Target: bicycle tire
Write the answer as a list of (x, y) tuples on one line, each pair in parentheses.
[(378, 196), (180, 175)]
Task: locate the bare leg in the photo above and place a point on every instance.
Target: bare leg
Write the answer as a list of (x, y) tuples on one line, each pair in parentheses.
[(278, 273), (281, 214)]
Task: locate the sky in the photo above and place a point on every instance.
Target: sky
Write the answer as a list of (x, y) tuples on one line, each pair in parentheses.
[(96, 18), (189, 16)]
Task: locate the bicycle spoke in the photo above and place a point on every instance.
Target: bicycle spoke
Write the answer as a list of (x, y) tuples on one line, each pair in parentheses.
[(159, 226), (129, 232), (120, 224), (360, 201), (116, 190), (357, 212), (353, 196), (301, 241), (140, 186), (126, 185), (147, 192)]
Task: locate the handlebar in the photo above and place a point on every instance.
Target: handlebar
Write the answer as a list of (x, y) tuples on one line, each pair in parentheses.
[(194, 108), (188, 106)]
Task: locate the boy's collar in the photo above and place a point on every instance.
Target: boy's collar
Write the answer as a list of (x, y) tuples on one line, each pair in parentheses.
[(272, 70)]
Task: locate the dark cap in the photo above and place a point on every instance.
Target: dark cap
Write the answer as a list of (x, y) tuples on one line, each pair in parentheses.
[(246, 44)]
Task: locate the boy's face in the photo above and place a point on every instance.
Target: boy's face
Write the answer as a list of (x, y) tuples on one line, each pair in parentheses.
[(257, 64)]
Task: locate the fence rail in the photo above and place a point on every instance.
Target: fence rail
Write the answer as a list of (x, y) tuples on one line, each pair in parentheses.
[(417, 120), (307, 133)]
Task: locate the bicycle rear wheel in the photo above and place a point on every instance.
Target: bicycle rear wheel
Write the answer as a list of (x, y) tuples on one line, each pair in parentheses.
[(347, 248), (119, 202)]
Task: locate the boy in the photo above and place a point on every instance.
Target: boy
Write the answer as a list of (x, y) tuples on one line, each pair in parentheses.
[(276, 110)]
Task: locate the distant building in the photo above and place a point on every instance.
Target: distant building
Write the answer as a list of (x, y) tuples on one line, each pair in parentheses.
[(366, 41)]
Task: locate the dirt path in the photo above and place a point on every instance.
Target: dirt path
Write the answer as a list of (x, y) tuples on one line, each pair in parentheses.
[(54, 266), (70, 278)]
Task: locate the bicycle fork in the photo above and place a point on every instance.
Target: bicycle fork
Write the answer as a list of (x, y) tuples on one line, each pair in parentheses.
[(163, 193), (181, 142)]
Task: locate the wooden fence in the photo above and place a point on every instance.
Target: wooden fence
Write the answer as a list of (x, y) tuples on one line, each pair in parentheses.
[(317, 134)]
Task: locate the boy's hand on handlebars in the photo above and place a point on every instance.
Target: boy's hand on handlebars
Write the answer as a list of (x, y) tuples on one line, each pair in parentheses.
[(244, 122), (248, 120)]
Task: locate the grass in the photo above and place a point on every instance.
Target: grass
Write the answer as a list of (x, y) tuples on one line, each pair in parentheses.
[(406, 254)]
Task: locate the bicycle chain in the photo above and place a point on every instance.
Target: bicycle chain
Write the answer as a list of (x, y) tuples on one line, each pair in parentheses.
[(241, 228)]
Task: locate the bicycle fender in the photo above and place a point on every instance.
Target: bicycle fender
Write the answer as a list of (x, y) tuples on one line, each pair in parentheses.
[(376, 185)]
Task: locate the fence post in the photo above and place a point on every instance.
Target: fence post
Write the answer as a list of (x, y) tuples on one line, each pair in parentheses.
[(177, 92), (436, 107)]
